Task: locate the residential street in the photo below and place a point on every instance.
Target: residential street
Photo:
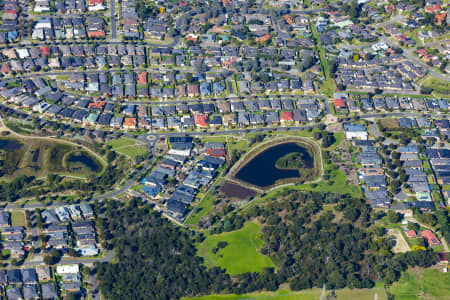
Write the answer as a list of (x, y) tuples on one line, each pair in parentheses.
[(113, 20), (408, 53)]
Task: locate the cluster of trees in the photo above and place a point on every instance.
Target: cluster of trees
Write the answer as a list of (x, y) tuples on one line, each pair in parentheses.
[(444, 222), (313, 250), (295, 160), (16, 188), (156, 259), (310, 247), (327, 138), (353, 9), (145, 11)]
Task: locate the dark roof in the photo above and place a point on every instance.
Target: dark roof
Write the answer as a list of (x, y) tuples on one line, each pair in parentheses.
[(177, 207), (14, 276)]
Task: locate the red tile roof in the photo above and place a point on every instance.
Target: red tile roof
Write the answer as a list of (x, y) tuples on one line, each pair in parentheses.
[(201, 120), (5, 69), (93, 2), (286, 116), (431, 238), (96, 105), (422, 52), (45, 50), (339, 103), (142, 78), (98, 33), (129, 123), (411, 233)]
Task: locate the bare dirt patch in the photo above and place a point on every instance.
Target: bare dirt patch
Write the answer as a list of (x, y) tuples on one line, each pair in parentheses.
[(233, 190), (401, 245)]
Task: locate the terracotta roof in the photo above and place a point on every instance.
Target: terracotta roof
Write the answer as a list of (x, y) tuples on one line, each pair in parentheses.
[(339, 103), (129, 122), (142, 78), (201, 120), (286, 116)]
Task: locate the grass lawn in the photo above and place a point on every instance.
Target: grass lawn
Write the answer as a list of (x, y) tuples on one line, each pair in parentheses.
[(310, 294), (128, 147), (18, 218), (440, 88), (202, 209), (389, 123), (214, 139), (339, 136), (337, 183), (241, 255), (432, 282)]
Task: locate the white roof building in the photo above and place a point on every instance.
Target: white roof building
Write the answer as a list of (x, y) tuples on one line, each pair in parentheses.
[(67, 269)]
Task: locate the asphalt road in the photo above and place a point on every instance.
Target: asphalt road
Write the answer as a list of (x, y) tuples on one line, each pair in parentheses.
[(109, 257), (114, 193), (113, 20)]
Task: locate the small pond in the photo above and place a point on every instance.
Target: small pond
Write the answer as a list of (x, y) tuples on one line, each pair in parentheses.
[(81, 160), (261, 169), (10, 144)]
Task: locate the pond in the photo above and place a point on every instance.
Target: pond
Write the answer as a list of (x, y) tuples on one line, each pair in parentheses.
[(261, 170), (10, 144), (77, 161)]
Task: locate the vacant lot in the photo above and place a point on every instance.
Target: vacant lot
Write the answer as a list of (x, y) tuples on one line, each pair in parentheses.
[(233, 190), (241, 254), (18, 218), (129, 147), (401, 245), (422, 284), (440, 88), (389, 123)]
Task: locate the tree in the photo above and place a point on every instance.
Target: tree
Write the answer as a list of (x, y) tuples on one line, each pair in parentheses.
[(380, 231), (425, 90), (328, 139), (48, 260), (413, 226), (393, 217), (73, 252), (354, 10), (394, 186), (71, 296), (111, 156)]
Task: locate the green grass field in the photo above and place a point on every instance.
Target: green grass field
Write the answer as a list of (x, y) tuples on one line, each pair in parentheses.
[(433, 283), (440, 88), (128, 147), (18, 218), (389, 123), (339, 136), (311, 294), (202, 209), (241, 255), (337, 183)]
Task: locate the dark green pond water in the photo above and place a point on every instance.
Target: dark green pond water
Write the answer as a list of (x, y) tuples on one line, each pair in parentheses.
[(77, 159), (261, 170), (10, 144)]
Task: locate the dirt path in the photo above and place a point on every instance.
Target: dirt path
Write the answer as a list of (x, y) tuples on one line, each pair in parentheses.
[(401, 245)]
